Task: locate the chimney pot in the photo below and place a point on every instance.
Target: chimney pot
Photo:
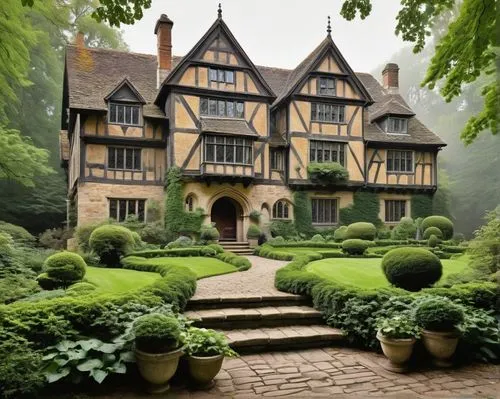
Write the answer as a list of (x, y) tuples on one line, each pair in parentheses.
[(163, 32), (390, 77)]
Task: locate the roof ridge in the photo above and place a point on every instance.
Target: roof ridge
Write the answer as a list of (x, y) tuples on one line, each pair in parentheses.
[(112, 50)]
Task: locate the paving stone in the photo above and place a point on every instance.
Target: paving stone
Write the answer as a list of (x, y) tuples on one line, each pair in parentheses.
[(288, 370), (284, 392), (250, 385), (319, 383), (265, 388), (317, 375), (242, 373), (245, 380), (293, 385)]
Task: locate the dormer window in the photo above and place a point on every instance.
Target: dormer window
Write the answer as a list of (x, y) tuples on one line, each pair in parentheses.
[(397, 125), (221, 75), (124, 114), (326, 86)]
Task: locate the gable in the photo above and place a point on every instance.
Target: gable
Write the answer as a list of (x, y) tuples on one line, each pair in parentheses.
[(125, 92)]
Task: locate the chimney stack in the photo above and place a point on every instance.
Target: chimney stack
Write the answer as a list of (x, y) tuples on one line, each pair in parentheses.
[(390, 78), (163, 31), (80, 39)]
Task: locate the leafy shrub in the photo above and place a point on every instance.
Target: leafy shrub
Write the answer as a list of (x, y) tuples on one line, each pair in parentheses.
[(157, 333), (433, 241), (254, 216), (429, 231), (80, 289), (154, 233), (282, 228), (253, 232), (485, 247), (340, 234), (90, 258), (83, 232), (442, 223), (206, 342), (55, 238), (216, 247), (404, 230), (383, 233), (438, 314), (302, 216), (209, 233), (328, 172), (355, 246), (361, 230), (398, 327), (65, 268), (317, 238), (181, 242), (207, 251), (276, 241), (411, 268), (110, 243), (365, 208), (19, 234)]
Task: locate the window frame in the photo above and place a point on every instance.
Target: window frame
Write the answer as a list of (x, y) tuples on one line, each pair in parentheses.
[(189, 203), (124, 104), (284, 206), (127, 210), (125, 149), (334, 88), (225, 75), (314, 215), (394, 119), (393, 211), (208, 101), (316, 113), (393, 159), (245, 144), (341, 151), (277, 161)]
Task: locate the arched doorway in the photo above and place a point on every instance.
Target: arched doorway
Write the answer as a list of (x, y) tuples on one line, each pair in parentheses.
[(225, 214)]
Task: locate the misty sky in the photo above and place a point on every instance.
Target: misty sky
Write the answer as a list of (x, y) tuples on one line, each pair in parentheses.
[(278, 33)]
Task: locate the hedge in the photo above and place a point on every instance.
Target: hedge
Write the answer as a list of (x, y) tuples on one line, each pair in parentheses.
[(302, 212), (361, 230), (442, 223), (355, 246), (304, 244)]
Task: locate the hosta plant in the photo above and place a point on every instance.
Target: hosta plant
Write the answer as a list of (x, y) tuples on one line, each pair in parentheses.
[(398, 327), (206, 342)]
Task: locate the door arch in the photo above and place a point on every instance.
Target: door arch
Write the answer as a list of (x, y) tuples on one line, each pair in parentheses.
[(226, 213)]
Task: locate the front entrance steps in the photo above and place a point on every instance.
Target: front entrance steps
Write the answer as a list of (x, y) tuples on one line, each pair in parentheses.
[(260, 324), (237, 247)]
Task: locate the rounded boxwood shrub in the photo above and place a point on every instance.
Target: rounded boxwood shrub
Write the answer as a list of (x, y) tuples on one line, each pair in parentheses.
[(433, 241), (405, 229), (317, 238), (384, 233), (429, 231), (110, 242), (181, 242), (207, 251), (253, 232), (217, 248), (439, 314), (411, 268), (340, 234), (80, 289), (442, 223), (156, 333), (361, 230), (355, 246), (65, 268), (209, 233)]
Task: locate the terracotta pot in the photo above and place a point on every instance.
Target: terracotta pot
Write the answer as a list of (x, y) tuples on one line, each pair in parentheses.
[(158, 368), (253, 242), (441, 345), (203, 369), (398, 351)]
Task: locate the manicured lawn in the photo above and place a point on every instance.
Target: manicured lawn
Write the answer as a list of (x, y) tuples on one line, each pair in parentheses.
[(367, 273), (203, 267), (118, 280)]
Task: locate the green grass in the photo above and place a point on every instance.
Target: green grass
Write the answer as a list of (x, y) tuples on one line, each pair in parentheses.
[(367, 273), (118, 280), (202, 266)]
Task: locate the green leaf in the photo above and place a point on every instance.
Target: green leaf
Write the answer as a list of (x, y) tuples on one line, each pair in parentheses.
[(64, 346), (99, 375), (119, 368), (128, 357), (90, 365), (90, 344), (109, 358), (53, 377), (108, 348)]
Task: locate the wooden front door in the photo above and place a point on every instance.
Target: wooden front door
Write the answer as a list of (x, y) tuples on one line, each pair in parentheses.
[(224, 216)]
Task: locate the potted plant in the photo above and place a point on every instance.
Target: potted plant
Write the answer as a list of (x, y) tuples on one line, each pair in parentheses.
[(205, 351), (157, 349), (439, 319), (397, 336), (253, 235)]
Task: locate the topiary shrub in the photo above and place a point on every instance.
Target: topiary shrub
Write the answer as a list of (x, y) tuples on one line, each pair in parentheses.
[(442, 223), (207, 251), (384, 233), (327, 172), (19, 234), (340, 234), (429, 231), (217, 248), (411, 268), (154, 233), (355, 246), (317, 238), (253, 232), (181, 242), (47, 283), (254, 216), (433, 241), (63, 268), (404, 230), (209, 233), (280, 228), (361, 230), (80, 289), (110, 243), (438, 314), (157, 333)]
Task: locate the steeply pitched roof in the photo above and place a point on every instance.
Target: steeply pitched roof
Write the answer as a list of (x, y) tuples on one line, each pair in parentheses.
[(393, 105)]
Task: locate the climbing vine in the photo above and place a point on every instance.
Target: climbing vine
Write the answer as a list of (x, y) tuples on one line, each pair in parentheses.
[(365, 208), (302, 212), (421, 206)]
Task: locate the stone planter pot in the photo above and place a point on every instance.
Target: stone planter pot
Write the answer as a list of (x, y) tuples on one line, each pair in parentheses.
[(253, 242), (203, 369), (158, 368), (441, 345), (397, 351)]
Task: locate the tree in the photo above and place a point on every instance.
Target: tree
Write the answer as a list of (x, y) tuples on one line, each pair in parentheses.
[(465, 52)]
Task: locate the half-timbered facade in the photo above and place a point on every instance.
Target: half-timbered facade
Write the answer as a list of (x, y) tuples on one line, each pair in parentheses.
[(242, 135)]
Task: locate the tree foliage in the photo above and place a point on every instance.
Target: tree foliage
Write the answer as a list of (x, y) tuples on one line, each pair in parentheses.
[(465, 52)]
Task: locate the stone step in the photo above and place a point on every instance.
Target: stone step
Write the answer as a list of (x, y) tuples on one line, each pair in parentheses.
[(296, 336), (270, 316), (239, 301), (233, 243), (242, 252)]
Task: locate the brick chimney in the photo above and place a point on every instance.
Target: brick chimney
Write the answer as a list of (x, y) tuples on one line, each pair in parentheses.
[(390, 78), (80, 39), (163, 32)]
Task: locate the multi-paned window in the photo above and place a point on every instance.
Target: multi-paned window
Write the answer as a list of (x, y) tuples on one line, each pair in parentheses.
[(124, 158), (124, 114), (222, 108), (326, 86), (399, 161), (221, 75), (281, 210), (397, 125), (229, 150), (326, 151), (120, 209), (395, 210), (189, 203), (327, 112), (277, 160), (324, 210)]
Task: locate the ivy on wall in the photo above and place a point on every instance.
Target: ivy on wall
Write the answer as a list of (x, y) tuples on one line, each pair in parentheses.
[(365, 208), (421, 206), (302, 212)]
